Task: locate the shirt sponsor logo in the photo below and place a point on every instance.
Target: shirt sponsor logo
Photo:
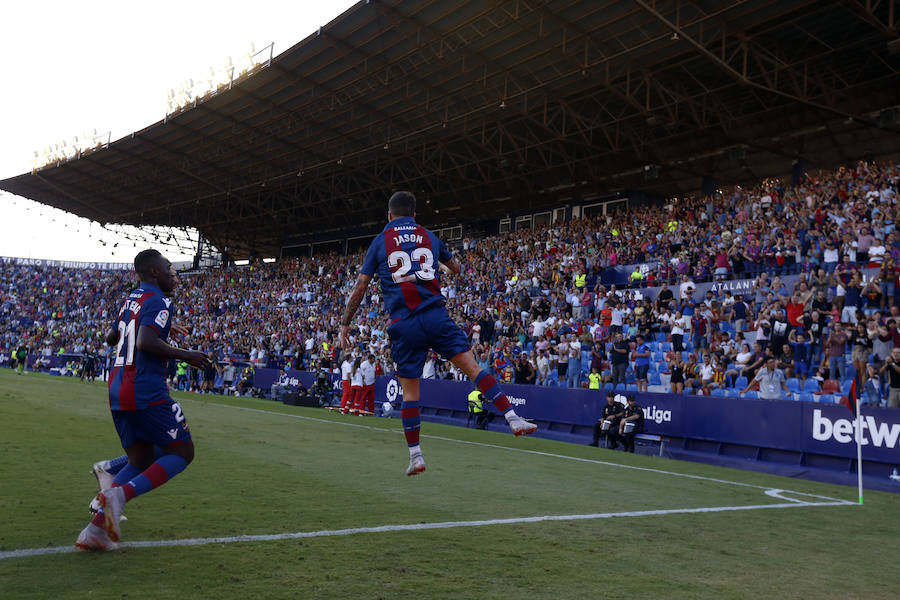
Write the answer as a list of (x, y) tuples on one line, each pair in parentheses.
[(879, 434), (162, 318), (173, 433)]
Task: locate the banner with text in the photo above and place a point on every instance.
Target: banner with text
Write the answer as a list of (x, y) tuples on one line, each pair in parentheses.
[(66, 264), (785, 425)]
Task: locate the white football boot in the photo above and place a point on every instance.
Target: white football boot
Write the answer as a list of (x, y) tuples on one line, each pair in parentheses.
[(416, 464), (112, 501), (94, 538), (520, 426)]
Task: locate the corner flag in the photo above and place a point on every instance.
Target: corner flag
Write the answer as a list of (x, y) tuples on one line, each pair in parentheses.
[(851, 400)]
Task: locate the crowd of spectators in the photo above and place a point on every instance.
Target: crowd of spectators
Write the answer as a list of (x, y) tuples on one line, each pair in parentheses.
[(535, 309)]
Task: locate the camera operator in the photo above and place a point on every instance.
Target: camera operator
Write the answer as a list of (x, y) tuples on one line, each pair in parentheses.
[(608, 422)]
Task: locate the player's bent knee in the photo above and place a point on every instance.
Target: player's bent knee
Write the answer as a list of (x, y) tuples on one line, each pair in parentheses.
[(185, 451)]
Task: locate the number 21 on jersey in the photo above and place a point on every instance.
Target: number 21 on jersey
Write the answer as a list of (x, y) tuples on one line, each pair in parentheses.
[(126, 339)]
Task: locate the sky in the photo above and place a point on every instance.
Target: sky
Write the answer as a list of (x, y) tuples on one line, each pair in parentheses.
[(70, 67)]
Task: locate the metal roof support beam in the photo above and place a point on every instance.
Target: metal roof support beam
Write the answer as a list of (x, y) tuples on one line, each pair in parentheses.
[(741, 78), (867, 13)]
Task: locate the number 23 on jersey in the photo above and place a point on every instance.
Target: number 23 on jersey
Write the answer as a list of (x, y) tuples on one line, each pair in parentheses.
[(401, 263)]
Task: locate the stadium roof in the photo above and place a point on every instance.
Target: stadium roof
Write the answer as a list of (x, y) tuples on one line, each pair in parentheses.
[(484, 108)]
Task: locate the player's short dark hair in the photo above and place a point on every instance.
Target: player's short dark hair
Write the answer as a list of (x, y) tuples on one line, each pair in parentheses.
[(144, 260), (402, 204)]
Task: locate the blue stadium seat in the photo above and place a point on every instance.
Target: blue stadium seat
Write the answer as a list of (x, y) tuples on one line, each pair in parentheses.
[(845, 386), (793, 384), (654, 378), (805, 397), (828, 399), (666, 346), (751, 394), (732, 393), (654, 346), (811, 385), (741, 382), (631, 387), (718, 392)]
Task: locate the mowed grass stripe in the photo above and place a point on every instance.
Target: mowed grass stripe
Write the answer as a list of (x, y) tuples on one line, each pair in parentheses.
[(525, 450)]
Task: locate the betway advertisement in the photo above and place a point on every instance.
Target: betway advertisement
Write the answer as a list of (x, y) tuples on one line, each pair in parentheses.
[(785, 425)]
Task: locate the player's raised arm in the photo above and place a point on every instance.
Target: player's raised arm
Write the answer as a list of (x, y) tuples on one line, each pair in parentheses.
[(450, 266), (356, 296)]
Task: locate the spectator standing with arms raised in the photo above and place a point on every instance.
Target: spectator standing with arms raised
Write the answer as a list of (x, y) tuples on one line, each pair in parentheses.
[(641, 357), (834, 351), (892, 366), (771, 382), (574, 370)]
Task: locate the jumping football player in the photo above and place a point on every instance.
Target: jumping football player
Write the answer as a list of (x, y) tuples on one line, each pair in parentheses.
[(142, 411), (406, 257)]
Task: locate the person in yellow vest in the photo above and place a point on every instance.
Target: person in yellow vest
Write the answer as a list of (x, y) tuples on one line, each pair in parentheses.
[(580, 280), (671, 226), (594, 379), (636, 276), (476, 408)]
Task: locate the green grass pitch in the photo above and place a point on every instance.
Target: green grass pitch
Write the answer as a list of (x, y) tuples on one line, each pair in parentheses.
[(623, 530)]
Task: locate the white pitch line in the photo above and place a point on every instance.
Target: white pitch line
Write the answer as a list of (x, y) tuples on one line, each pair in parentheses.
[(28, 552), (526, 451)]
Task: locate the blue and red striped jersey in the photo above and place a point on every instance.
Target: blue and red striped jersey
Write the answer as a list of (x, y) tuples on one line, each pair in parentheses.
[(138, 379), (405, 256)]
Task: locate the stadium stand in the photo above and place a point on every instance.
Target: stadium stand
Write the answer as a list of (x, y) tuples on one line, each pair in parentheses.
[(520, 292)]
